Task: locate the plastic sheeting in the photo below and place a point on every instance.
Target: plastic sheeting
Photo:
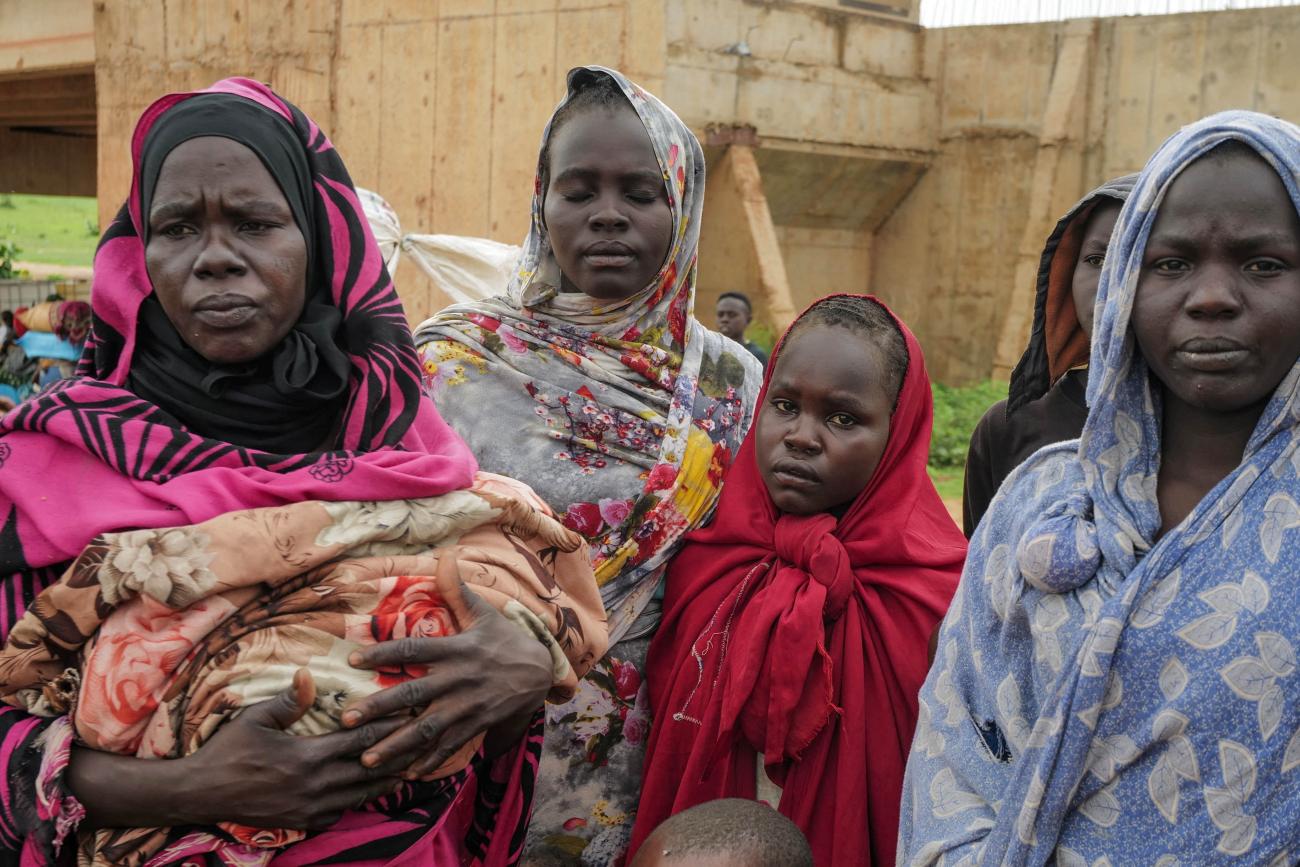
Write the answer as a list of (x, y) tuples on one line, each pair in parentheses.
[(465, 269)]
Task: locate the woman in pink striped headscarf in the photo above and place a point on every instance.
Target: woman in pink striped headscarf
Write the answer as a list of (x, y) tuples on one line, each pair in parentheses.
[(248, 351)]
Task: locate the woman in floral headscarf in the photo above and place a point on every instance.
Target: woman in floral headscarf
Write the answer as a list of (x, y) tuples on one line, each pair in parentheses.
[(1116, 676), (592, 382)]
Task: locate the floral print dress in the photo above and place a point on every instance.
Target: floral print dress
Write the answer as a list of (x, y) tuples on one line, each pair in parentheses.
[(623, 416)]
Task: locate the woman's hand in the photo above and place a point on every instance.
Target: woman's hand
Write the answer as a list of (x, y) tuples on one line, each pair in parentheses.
[(491, 677), (250, 772)]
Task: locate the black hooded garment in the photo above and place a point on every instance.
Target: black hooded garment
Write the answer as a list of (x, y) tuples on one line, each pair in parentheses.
[(1037, 412)]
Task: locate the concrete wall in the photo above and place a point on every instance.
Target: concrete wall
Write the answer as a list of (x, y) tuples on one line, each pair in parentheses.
[(1020, 142), (44, 35), (439, 106), (47, 97), (842, 115), (926, 166), (53, 165)]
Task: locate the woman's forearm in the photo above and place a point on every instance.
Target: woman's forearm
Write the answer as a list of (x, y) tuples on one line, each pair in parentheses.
[(126, 792)]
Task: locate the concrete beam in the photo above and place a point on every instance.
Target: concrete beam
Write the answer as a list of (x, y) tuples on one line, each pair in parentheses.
[(50, 35), (1066, 99), (740, 171)]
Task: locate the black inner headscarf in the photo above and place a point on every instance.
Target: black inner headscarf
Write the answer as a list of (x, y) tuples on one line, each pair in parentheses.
[(288, 401)]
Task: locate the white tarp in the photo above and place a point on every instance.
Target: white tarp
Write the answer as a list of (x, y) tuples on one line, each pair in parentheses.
[(466, 269)]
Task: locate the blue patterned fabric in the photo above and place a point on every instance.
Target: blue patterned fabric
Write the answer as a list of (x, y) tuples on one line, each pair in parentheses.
[(1098, 698)]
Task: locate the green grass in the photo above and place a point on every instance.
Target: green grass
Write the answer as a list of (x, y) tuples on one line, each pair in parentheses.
[(948, 483), (956, 412), (57, 230)]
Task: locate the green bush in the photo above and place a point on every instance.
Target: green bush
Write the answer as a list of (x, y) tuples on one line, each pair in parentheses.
[(8, 252), (762, 335), (956, 412)]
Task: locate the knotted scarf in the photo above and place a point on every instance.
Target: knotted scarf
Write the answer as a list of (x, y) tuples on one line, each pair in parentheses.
[(1101, 694)]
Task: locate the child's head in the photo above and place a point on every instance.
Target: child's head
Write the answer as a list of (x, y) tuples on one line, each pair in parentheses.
[(605, 204), (825, 421), (1097, 229), (1217, 309), (727, 833)]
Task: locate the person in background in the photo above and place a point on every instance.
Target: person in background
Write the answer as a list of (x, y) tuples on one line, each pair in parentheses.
[(734, 315), (1045, 402), (795, 624), (729, 832), (591, 381), (1116, 679)]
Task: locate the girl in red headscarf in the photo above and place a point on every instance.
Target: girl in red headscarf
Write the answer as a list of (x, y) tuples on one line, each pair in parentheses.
[(795, 626)]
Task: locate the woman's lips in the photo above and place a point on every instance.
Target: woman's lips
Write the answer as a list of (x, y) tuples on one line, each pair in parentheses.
[(794, 476), (1211, 355), (225, 311), (609, 254), (609, 261)]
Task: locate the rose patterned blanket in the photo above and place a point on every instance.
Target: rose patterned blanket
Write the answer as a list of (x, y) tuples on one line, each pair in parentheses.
[(153, 638)]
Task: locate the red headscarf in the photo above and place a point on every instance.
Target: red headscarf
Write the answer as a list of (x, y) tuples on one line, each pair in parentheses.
[(804, 638)]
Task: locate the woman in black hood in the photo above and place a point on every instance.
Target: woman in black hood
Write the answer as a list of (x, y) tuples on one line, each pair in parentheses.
[(1045, 403)]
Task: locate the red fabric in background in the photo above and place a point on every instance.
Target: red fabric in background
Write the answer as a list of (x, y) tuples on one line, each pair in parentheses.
[(804, 639)]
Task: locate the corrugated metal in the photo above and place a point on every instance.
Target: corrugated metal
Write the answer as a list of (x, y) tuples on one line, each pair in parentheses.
[(958, 13)]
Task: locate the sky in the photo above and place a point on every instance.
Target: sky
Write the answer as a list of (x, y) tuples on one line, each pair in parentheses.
[(952, 13)]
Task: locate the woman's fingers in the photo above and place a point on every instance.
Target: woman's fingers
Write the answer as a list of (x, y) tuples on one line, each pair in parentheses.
[(350, 743), (286, 708), (412, 695), (455, 737), (447, 579), (406, 651), (435, 730), (465, 605)]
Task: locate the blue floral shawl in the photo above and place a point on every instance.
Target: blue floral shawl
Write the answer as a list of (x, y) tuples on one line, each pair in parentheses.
[(1100, 698)]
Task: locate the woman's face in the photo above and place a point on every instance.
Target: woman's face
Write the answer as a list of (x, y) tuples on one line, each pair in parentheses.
[(1217, 312), (606, 208), (225, 257), (1092, 255), (825, 422)]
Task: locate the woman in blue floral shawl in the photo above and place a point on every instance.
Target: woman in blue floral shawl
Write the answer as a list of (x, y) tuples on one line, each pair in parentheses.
[(591, 380), (1116, 679)]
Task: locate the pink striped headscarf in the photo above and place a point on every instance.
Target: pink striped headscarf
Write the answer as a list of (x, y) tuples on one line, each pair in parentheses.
[(91, 457)]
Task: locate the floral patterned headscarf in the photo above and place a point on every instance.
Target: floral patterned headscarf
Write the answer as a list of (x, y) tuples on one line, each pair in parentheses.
[(622, 415)]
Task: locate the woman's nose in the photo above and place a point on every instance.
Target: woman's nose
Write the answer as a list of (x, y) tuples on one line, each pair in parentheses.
[(1214, 294), (218, 258), (608, 215), (802, 438)]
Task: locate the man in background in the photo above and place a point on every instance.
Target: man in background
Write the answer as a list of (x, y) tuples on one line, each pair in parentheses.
[(734, 314)]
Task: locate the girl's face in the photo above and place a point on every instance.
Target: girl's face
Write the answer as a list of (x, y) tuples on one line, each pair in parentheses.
[(1092, 255), (825, 422), (1217, 312), (606, 207), (225, 257)]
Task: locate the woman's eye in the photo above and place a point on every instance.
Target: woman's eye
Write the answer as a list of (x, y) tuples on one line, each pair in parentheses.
[(175, 230), (843, 419), (1265, 266), (782, 405), (1170, 266), (254, 226), (643, 198), (576, 198), (1096, 260)]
